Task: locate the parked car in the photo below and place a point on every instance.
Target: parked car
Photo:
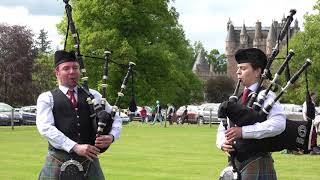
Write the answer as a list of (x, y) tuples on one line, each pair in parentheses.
[(192, 114), (208, 113), (29, 114), (125, 118), (6, 115), (293, 111)]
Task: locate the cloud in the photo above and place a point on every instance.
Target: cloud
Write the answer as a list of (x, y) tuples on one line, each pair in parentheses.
[(206, 20), (37, 7), (202, 20), (21, 16)]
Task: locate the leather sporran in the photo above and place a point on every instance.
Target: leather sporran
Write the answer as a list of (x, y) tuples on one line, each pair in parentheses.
[(71, 170)]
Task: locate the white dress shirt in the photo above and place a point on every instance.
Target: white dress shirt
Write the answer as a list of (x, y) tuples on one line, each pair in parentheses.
[(45, 120), (274, 125)]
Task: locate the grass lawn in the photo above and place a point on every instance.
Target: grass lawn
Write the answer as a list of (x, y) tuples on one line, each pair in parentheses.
[(145, 152)]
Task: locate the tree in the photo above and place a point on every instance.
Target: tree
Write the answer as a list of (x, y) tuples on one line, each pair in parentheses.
[(219, 89), (16, 60), (43, 76), (145, 32), (306, 45), (219, 61), (198, 46), (42, 42)]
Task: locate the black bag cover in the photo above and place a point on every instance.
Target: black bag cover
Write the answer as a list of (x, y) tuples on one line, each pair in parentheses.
[(296, 136)]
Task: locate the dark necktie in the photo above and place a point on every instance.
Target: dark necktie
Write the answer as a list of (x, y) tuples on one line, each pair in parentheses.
[(245, 95), (72, 98)]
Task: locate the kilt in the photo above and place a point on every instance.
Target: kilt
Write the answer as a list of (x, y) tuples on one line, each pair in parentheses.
[(257, 168), (55, 158)]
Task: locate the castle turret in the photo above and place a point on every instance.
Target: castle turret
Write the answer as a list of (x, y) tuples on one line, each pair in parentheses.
[(271, 39), (244, 38), (228, 24), (258, 41), (201, 63), (231, 47), (201, 66), (230, 40), (296, 26)]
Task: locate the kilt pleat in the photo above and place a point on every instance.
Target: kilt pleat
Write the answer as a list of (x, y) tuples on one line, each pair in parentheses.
[(260, 168)]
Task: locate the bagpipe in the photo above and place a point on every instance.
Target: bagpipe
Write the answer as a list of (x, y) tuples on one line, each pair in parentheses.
[(296, 135), (101, 120)]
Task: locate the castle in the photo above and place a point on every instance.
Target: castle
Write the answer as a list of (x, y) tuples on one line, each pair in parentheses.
[(264, 38), (203, 69), (260, 37)]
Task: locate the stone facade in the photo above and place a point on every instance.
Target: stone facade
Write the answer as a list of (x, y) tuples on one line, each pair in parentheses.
[(260, 37)]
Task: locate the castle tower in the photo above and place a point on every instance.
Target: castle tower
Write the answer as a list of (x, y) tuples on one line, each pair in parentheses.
[(244, 38), (296, 26), (201, 66), (258, 41), (271, 40), (231, 47)]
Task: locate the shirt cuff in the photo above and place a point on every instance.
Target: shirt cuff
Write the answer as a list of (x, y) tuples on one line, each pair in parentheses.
[(247, 132), (69, 146), (115, 134)]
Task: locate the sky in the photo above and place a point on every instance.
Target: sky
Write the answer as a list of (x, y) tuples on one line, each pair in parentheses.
[(202, 20)]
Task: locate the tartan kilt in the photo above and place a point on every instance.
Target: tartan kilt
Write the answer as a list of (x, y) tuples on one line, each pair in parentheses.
[(261, 168), (54, 160)]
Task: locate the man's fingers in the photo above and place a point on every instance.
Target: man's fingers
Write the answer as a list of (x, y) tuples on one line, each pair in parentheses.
[(88, 157)]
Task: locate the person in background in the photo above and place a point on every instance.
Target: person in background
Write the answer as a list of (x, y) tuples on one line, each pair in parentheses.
[(185, 117), (170, 113), (315, 150), (143, 114), (157, 115)]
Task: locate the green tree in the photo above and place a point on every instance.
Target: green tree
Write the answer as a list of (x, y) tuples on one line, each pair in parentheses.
[(198, 46), (43, 76), (42, 42), (145, 32), (306, 45), (219, 61)]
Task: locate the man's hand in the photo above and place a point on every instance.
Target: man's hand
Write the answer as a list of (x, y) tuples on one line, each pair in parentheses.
[(233, 133), (227, 147), (103, 141), (86, 150)]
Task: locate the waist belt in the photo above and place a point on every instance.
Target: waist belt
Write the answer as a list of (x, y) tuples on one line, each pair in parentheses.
[(63, 156)]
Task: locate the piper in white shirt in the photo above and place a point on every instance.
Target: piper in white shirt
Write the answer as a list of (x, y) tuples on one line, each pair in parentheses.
[(253, 165), (69, 130)]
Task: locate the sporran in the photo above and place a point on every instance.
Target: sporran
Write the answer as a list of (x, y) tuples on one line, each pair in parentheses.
[(72, 170)]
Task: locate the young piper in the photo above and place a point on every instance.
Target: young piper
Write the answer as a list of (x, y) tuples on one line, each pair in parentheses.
[(252, 164)]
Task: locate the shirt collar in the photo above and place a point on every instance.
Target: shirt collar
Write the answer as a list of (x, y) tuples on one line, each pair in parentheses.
[(65, 89), (253, 87)]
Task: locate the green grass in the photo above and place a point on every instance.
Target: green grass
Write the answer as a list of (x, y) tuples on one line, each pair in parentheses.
[(145, 152)]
